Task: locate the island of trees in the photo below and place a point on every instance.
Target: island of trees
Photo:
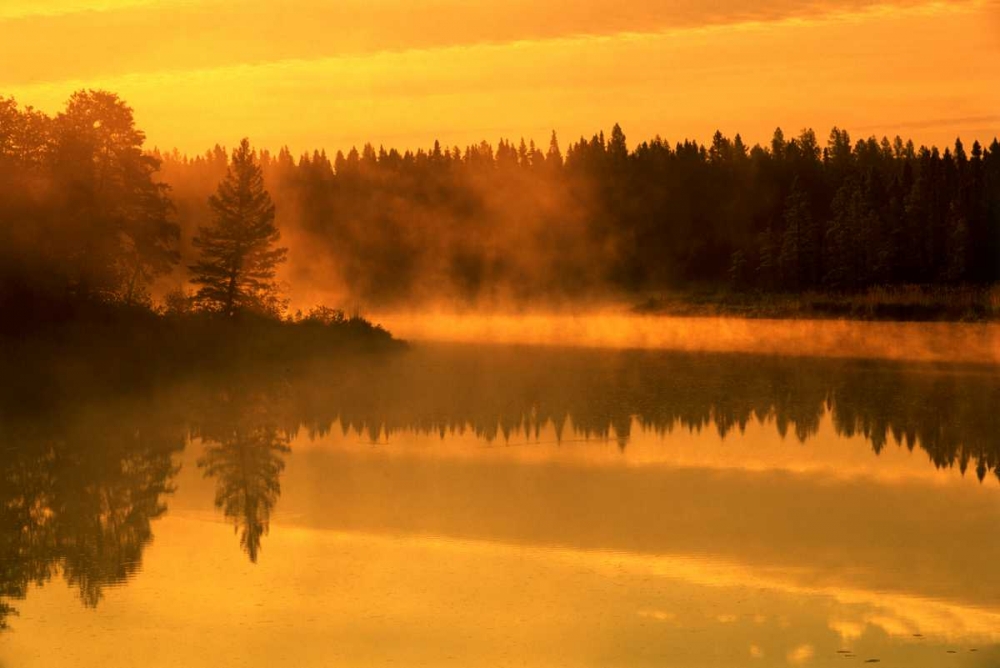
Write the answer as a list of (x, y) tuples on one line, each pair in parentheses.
[(87, 227)]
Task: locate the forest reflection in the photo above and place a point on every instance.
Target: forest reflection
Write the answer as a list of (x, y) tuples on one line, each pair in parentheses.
[(81, 481), (78, 493)]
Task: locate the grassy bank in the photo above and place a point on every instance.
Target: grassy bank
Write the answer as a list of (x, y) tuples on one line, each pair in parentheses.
[(909, 303)]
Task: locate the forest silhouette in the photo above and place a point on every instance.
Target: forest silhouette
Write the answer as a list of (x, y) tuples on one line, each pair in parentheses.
[(491, 225), (88, 215)]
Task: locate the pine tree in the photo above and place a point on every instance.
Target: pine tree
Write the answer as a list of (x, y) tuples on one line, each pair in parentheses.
[(778, 144), (797, 257), (840, 247), (238, 254), (617, 147), (553, 157), (767, 259), (958, 247)]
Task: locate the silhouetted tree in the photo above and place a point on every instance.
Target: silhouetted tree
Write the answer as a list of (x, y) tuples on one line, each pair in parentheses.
[(797, 256), (99, 128), (238, 256), (553, 157)]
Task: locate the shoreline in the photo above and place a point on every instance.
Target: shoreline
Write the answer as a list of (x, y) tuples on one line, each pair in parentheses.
[(906, 304), (107, 350)]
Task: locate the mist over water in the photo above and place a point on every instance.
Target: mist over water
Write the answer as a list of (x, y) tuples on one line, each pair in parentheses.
[(977, 343)]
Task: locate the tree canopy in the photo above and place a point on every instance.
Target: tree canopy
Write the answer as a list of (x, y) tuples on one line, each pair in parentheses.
[(81, 210)]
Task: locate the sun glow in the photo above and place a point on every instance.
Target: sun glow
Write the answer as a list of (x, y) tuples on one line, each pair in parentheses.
[(395, 73)]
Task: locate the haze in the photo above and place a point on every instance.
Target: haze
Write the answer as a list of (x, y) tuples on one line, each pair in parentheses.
[(309, 74)]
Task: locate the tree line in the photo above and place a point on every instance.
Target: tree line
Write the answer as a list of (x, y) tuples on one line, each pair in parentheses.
[(514, 221), (87, 213)]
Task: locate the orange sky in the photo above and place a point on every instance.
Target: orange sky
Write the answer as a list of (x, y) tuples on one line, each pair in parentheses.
[(309, 73)]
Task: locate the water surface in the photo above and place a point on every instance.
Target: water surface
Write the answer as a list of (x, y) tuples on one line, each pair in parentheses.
[(511, 505)]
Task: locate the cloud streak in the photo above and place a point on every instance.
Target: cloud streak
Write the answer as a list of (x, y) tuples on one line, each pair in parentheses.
[(123, 36)]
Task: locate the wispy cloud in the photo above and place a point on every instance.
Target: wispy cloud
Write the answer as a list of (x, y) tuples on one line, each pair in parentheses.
[(60, 39), (946, 122), (15, 9)]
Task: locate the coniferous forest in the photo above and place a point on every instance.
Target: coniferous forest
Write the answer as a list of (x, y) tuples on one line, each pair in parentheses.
[(523, 222), (88, 213)]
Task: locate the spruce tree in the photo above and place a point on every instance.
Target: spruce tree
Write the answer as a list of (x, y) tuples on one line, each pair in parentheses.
[(796, 258), (553, 157), (238, 251)]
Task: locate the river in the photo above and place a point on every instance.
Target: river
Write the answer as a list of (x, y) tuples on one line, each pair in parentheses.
[(617, 503)]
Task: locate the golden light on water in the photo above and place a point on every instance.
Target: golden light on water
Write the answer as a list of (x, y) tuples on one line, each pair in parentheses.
[(615, 328), (449, 569)]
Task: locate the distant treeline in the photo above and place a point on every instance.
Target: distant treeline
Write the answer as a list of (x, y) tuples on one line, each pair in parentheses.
[(513, 221), (86, 212)]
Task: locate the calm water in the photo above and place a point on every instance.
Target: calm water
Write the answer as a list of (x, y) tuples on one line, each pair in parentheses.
[(498, 505)]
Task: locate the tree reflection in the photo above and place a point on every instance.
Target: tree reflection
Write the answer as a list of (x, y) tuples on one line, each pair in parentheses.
[(510, 394), (244, 453), (80, 486), (106, 526), (78, 494)]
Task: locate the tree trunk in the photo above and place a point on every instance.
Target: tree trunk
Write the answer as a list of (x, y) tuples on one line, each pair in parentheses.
[(231, 294), (131, 283)]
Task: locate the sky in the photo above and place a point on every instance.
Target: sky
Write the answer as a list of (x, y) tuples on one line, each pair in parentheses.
[(312, 74)]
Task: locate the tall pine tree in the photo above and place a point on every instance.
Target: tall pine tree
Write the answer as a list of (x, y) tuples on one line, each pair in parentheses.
[(238, 251)]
